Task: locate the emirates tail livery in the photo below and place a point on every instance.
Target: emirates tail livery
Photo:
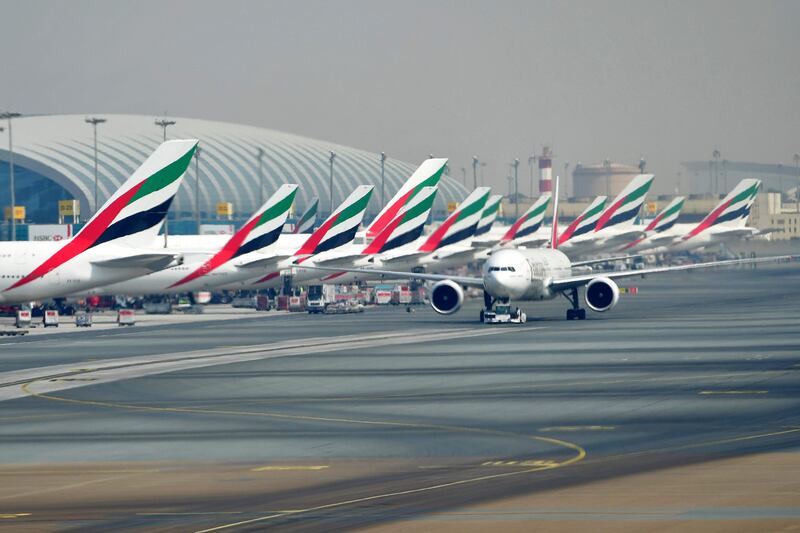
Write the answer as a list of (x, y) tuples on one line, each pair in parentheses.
[(657, 232), (119, 242), (240, 258), (337, 230), (307, 220), (615, 225), (525, 230)]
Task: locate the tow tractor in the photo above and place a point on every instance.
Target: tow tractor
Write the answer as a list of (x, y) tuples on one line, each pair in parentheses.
[(503, 314)]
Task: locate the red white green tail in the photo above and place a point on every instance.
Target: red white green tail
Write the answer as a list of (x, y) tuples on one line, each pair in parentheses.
[(407, 226), (341, 226), (625, 207), (489, 215), (461, 224), (530, 221), (585, 222), (427, 174), (307, 220), (733, 211)]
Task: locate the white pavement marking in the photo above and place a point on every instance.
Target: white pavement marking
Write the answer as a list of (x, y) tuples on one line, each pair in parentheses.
[(52, 378)]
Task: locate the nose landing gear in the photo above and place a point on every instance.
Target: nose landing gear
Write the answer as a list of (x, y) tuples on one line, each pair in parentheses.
[(576, 313)]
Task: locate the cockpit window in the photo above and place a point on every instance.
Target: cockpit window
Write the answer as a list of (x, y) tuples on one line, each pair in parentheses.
[(511, 269)]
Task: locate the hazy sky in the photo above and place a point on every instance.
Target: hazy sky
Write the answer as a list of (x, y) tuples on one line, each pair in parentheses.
[(618, 79)]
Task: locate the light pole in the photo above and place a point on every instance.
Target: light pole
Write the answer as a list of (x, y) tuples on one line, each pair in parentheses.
[(607, 167), (474, 171), (197, 188), (94, 121), (260, 156), (464, 176), (8, 115), (716, 155), (164, 123), (515, 164), (566, 173), (531, 162), (483, 176), (331, 159), (383, 183), (796, 160)]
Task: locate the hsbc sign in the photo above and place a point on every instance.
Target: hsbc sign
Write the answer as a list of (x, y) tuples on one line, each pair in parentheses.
[(49, 232)]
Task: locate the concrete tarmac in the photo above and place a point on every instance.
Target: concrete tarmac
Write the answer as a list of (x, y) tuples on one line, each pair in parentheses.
[(428, 422)]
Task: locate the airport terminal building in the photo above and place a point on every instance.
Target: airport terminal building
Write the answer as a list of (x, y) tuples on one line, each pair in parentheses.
[(54, 160)]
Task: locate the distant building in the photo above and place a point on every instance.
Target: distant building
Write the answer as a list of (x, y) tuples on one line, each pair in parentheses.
[(590, 181), (718, 177)]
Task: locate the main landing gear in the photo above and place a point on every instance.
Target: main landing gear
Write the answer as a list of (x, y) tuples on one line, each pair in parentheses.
[(500, 312), (576, 313)]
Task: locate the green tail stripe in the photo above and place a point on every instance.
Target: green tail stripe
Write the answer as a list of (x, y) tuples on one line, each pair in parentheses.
[(539, 210), (164, 176), (638, 193), (474, 207), (594, 211), (278, 209), (675, 208), (420, 208), (353, 209)]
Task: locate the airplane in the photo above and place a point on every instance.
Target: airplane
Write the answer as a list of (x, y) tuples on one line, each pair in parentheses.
[(615, 226), (307, 220), (446, 246), (119, 242), (487, 234), (407, 227), (726, 222), (536, 274), (241, 257), (525, 230), (657, 230), (337, 230)]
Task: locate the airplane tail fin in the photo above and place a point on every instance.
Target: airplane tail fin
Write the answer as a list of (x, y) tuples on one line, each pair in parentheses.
[(407, 226), (489, 214), (585, 222), (530, 221), (341, 227), (307, 220), (260, 230), (134, 214), (626, 205), (427, 174), (461, 224), (733, 211), (667, 217)]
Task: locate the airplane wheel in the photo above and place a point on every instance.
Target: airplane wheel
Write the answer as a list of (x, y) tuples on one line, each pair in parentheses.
[(570, 314), (523, 318), (482, 316), (581, 314)]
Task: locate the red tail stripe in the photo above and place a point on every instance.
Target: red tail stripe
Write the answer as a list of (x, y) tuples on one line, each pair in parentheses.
[(606, 216), (564, 237), (313, 241), (390, 214), (437, 236), (709, 220), (375, 246), (83, 240)]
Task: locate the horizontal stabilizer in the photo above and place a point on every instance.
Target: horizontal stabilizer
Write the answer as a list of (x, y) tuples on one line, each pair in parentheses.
[(150, 261)]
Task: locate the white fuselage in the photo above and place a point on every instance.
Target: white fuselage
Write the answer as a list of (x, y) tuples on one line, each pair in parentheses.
[(522, 274), (18, 259)]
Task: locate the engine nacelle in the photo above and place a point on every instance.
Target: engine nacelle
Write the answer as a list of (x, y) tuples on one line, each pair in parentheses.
[(446, 297), (601, 294)]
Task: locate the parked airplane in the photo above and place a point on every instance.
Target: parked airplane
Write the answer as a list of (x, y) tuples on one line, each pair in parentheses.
[(615, 226), (337, 230), (119, 242), (657, 229), (526, 229), (307, 220), (242, 257), (540, 274)]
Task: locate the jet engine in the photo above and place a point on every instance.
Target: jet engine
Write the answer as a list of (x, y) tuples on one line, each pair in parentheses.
[(601, 294), (446, 297)]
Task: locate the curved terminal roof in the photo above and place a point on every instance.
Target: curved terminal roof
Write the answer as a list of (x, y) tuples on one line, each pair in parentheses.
[(60, 148)]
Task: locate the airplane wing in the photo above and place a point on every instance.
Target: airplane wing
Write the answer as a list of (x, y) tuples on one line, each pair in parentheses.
[(578, 281), (339, 260), (461, 280), (150, 261), (450, 254), (605, 260), (401, 257)]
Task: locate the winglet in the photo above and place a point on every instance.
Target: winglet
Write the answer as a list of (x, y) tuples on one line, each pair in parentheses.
[(341, 226), (407, 226), (426, 175), (461, 224)]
